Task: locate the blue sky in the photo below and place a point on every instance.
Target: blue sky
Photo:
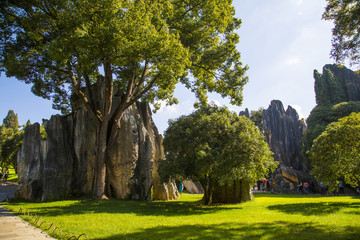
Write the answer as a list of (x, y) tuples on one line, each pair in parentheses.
[(282, 42)]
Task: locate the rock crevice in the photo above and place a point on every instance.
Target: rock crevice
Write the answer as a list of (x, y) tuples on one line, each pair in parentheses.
[(64, 163)]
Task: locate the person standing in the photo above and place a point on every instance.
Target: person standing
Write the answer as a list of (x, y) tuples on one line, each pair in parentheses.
[(306, 186), (181, 188), (6, 175)]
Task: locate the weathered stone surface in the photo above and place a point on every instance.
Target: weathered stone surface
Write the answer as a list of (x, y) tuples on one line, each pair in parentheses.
[(84, 144), (58, 164), (192, 187), (45, 167), (31, 163), (336, 85), (238, 192), (245, 113), (283, 131), (64, 163)]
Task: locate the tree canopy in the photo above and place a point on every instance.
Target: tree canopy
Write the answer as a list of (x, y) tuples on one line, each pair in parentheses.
[(148, 46), (335, 153), (11, 120), (10, 139), (214, 146), (136, 50), (346, 32), (321, 116)]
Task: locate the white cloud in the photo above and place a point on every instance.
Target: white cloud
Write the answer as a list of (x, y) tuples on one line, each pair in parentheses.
[(216, 102), (164, 108), (298, 110), (292, 61)]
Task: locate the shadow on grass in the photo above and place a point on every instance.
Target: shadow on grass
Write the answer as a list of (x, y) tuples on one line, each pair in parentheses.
[(275, 231), (172, 208), (286, 195), (321, 208)]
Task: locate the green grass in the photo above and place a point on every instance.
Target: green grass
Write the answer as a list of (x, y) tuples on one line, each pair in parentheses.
[(267, 217), (13, 177)]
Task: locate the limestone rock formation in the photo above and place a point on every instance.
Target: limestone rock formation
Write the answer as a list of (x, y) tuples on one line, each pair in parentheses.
[(283, 131), (245, 113), (336, 85), (237, 192), (193, 187), (63, 163)]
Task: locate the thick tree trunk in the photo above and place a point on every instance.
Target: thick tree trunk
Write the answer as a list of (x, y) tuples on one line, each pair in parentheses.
[(100, 173), (102, 137), (208, 185)]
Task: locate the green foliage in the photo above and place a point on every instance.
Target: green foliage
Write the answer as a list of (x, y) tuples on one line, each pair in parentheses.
[(10, 139), (329, 88), (135, 50), (291, 217), (11, 120), (257, 118), (215, 146), (321, 116), (346, 32), (43, 132), (335, 154), (11, 147), (148, 46)]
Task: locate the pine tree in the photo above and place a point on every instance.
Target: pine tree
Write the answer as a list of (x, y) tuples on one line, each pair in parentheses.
[(11, 120)]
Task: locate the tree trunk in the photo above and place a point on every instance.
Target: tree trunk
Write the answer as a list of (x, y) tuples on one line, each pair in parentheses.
[(102, 137), (208, 185), (100, 172)]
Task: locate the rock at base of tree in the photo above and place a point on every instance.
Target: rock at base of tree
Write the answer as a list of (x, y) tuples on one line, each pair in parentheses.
[(193, 187), (238, 192), (64, 163)]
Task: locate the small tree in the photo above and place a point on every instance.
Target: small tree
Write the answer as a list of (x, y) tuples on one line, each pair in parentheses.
[(335, 154), (215, 147), (11, 120), (10, 139)]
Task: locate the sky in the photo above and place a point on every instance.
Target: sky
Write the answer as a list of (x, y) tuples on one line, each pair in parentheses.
[(282, 42)]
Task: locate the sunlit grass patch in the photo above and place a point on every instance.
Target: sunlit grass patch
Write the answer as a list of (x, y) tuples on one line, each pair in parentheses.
[(267, 217), (13, 177)]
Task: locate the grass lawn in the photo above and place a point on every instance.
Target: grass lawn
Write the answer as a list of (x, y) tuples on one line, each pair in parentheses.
[(267, 217), (13, 177)]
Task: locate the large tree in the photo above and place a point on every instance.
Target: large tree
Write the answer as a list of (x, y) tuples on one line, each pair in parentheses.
[(335, 154), (141, 48), (215, 147), (346, 33)]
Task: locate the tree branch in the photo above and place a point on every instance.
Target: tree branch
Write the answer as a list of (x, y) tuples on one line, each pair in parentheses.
[(142, 79), (76, 86)]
